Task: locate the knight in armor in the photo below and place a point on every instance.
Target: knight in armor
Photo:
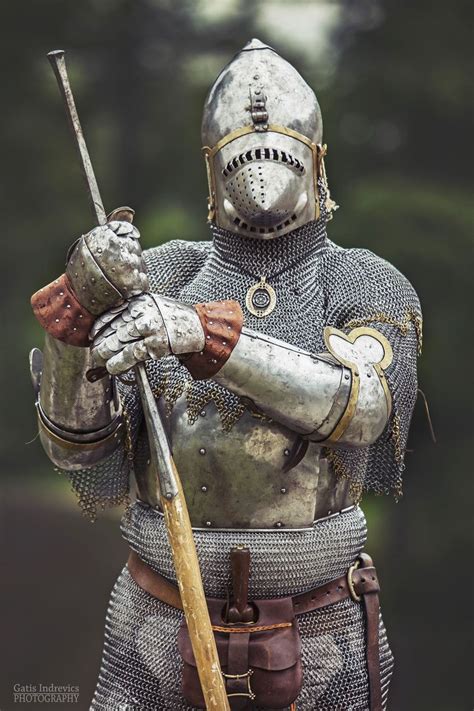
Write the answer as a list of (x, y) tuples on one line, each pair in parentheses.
[(285, 370)]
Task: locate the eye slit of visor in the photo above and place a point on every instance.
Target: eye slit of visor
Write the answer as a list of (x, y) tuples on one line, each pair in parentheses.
[(273, 154)]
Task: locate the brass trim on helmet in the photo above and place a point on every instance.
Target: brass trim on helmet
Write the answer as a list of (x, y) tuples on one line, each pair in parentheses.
[(318, 151)]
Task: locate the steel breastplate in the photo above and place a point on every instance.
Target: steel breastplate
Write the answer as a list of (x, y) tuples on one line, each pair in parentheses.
[(236, 478)]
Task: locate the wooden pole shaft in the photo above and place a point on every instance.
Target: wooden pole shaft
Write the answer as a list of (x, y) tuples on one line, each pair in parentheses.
[(195, 609)]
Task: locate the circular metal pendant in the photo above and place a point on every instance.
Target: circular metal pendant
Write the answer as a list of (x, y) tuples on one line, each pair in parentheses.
[(260, 299)]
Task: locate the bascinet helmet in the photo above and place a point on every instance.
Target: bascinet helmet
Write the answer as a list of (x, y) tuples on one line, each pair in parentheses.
[(262, 131)]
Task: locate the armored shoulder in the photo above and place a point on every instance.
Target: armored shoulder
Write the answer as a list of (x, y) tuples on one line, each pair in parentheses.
[(172, 265)]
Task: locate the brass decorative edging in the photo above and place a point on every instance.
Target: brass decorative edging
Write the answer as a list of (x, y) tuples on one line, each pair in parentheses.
[(379, 368), (318, 152)]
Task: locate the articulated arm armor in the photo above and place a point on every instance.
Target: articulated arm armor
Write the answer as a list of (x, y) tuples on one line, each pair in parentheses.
[(80, 423), (335, 398), (340, 397)]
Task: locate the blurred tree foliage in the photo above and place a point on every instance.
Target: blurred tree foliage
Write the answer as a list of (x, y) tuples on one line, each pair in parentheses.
[(397, 123)]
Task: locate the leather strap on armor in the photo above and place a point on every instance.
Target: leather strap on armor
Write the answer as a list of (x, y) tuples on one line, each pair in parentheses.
[(360, 583), (368, 588), (222, 323)]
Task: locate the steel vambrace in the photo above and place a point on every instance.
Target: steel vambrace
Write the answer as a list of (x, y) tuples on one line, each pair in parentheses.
[(340, 397), (80, 423)]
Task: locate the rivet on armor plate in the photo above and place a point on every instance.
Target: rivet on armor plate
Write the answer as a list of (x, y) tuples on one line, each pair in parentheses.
[(204, 489), (202, 451), (286, 452), (283, 490), (278, 524), (203, 413), (208, 524), (347, 376)]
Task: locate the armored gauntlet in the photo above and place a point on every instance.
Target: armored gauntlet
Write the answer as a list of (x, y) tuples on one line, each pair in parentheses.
[(80, 422), (104, 268)]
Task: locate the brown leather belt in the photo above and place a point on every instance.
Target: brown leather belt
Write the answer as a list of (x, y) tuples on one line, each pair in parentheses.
[(360, 583)]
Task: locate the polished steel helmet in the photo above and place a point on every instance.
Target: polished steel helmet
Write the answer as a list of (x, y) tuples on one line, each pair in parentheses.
[(262, 132)]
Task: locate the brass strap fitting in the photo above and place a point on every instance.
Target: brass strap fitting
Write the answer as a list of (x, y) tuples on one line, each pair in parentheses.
[(350, 581)]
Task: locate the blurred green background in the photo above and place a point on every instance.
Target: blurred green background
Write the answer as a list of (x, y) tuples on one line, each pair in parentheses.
[(393, 80)]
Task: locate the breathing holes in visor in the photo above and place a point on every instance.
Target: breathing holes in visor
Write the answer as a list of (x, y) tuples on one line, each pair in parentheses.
[(264, 230)]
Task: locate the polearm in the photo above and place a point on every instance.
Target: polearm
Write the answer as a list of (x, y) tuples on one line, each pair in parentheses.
[(170, 492)]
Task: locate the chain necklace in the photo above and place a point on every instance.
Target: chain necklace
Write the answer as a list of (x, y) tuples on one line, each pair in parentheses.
[(261, 297)]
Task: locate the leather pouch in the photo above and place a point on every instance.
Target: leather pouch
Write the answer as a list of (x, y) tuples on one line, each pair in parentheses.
[(260, 661)]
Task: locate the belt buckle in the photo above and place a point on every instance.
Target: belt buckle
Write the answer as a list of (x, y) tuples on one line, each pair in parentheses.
[(249, 694), (350, 582)]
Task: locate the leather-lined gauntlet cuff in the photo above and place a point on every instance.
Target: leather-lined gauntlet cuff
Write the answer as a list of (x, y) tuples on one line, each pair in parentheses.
[(61, 314), (222, 323)]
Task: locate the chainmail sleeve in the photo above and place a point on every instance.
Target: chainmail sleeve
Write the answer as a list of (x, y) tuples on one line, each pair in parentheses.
[(381, 297)]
